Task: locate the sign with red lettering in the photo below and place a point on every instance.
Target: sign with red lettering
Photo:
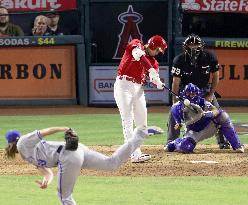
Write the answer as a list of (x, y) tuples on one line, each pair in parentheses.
[(101, 86), (27, 5), (215, 5)]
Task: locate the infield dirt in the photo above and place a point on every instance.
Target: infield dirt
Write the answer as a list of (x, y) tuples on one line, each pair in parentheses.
[(162, 163)]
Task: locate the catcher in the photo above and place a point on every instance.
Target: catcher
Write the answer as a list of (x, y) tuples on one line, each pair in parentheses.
[(69, 156), (202, 121)]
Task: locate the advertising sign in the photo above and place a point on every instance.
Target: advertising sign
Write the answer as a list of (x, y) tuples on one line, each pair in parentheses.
[(37, 72), (215, 5), (27, 5), (102, 79), (233, 74)]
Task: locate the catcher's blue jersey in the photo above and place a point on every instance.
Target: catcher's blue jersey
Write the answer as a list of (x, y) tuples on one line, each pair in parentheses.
[(177, 113)]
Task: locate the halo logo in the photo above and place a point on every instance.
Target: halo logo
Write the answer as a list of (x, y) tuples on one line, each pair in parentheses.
[(130, 30), (191, 5)]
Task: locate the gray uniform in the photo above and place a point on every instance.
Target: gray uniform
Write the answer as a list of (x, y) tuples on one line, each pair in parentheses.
[(206, 133), (49, 154)]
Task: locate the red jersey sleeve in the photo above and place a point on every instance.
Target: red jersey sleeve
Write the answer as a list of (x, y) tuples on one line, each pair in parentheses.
[(156, 65), (143, 60), (150, 62)]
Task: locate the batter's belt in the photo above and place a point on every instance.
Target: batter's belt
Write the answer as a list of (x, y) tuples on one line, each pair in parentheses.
[(121, 77)]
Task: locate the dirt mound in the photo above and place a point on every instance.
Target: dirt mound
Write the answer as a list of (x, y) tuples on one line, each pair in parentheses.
[(206, 161)]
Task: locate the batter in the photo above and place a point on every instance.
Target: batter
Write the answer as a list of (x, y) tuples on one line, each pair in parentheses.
[(137, 64)]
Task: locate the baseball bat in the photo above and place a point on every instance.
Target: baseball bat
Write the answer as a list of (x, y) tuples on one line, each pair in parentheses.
[(180, 99)]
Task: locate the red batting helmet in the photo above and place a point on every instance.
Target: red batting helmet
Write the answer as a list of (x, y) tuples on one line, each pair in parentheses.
[(157, 42)]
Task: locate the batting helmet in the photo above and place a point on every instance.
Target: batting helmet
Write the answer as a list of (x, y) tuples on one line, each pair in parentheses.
[(157, 42), (12, 135), (192, 46)]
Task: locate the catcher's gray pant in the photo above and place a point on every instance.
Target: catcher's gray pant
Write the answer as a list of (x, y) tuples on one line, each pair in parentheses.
[(206, 133), (173, 134), (71, 162)]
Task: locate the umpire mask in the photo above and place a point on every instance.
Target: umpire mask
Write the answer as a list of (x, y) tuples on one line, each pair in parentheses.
[(192, 46)]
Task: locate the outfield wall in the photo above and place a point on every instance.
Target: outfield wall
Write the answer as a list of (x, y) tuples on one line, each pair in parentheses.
[(59, 70), (80, 67)]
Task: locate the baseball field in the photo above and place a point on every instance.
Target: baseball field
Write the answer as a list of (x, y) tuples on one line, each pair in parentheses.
[(209, 176)]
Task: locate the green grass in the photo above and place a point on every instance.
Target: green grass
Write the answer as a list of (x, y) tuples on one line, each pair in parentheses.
[(94, 129), (105, 129), (98, 129), (21, 190)]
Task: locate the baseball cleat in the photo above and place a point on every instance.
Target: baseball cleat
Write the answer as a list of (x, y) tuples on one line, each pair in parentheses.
[(154, 130), (241, 149), (166, 148), (141, 158), (224, 145), (170, 146)]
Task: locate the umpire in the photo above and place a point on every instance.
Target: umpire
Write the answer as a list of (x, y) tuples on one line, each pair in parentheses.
[(194, 65)]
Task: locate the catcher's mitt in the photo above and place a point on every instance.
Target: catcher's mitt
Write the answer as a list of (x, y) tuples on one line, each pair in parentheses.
[(71, 140), (190, 116)]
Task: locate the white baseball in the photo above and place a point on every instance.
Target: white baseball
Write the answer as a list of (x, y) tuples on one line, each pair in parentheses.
[(186, 102)]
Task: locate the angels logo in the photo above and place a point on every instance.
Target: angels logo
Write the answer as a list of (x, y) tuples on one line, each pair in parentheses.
[(130, 30), (190, 5)]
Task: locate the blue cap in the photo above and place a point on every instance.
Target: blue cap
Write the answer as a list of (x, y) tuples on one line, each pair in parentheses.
[(12, 135)]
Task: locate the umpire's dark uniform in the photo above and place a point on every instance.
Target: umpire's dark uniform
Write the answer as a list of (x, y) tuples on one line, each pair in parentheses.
[(198, 74)]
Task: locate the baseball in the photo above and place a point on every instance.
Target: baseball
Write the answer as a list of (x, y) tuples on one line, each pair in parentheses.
[(186, 102)]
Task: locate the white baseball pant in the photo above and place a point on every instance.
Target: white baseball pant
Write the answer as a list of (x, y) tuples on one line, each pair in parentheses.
[(130, 99)]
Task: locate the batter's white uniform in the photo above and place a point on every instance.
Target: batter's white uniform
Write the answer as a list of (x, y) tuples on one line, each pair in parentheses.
[(130, 99), (49, 154), (129, 91)]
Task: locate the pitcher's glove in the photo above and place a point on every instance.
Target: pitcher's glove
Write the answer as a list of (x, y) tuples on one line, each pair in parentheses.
[(71, 140)]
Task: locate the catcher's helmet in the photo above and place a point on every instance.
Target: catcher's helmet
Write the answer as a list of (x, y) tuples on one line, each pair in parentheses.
[(192, 93), (12, 135), (157, 42), (192, 46)]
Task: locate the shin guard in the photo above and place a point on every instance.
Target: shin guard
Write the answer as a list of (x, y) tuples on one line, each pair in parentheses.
[(186, 145), (227, 128)]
